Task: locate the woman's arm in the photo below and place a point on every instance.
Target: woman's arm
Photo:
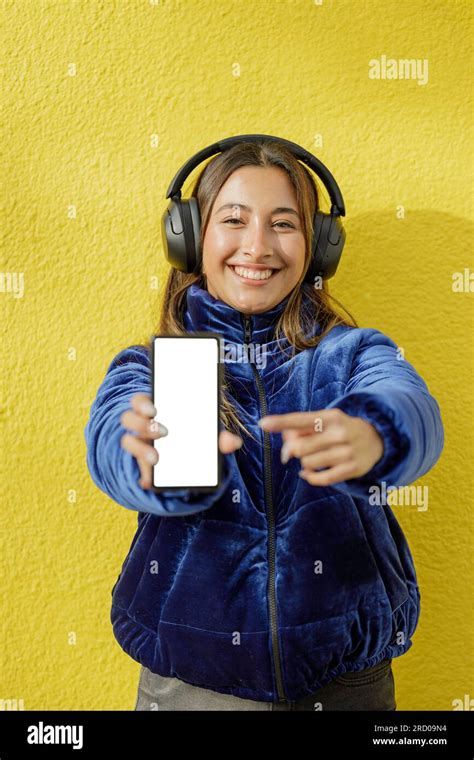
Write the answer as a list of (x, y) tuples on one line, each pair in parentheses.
[(386, 391), (390, 426), (113, 469)]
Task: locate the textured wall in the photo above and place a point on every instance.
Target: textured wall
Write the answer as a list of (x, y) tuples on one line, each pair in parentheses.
[(103, 102)]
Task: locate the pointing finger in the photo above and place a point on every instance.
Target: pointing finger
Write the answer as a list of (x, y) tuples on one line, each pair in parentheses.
[(299, 420)]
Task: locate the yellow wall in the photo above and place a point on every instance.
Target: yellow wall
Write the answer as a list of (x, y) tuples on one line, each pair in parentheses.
[(190, 73)]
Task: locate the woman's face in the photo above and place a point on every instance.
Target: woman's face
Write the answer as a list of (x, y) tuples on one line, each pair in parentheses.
[(259, 230)]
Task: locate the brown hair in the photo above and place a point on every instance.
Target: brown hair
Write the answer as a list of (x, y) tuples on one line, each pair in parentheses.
[(295, 322)]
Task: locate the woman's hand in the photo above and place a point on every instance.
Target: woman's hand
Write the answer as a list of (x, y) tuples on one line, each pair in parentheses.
[(348, 446), (140, 419)]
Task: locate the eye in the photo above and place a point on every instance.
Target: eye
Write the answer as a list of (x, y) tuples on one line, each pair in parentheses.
[(287, 224), (234, 219)]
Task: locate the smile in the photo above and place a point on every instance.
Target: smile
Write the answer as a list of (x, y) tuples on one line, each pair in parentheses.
[(252, 276)]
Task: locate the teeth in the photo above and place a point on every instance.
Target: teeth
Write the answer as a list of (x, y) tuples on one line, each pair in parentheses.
[(252, 274)]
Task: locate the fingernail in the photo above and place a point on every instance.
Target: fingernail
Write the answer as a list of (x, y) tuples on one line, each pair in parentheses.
[(262, 422), (146, 407), (284, 454), (151, 457), (158, 427)]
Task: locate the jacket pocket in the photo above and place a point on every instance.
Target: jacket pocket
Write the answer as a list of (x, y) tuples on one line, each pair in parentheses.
[(386, 553)]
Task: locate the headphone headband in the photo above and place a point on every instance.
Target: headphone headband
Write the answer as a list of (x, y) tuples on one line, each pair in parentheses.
[(338, 208)]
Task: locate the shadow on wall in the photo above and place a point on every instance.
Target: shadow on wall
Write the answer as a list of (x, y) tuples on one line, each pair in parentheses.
[(405, 268)]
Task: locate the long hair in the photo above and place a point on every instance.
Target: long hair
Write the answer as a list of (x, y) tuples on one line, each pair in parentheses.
[(295, 322)]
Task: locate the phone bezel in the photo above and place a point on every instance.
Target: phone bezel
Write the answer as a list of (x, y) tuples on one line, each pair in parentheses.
[(199, 334)]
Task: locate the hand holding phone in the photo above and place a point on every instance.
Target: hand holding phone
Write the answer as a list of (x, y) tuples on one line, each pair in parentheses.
[(140, 419)]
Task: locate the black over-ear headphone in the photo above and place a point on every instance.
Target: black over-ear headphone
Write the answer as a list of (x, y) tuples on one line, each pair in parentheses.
[(181, 221)]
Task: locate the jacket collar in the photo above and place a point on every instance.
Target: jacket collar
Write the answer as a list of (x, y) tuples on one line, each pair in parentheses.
[(208, 314)]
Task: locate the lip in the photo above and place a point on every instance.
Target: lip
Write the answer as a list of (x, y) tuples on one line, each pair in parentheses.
[(254, 283)]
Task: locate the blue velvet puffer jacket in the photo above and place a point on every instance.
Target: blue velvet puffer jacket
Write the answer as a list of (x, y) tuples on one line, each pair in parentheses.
[(220, 589)]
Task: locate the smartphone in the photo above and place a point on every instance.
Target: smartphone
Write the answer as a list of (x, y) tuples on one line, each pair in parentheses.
[(187, 381)]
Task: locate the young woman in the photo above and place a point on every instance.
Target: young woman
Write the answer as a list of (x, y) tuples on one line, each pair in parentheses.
[(292, 586)]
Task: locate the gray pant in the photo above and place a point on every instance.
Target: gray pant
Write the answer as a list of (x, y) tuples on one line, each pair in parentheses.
[(369, 689)]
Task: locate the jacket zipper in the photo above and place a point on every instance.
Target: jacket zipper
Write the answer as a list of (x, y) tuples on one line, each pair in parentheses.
[(270, 519)]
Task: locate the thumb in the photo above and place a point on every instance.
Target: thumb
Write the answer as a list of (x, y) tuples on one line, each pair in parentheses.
[(229, 442)]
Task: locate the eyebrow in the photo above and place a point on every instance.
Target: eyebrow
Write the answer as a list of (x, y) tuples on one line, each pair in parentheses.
[(277, 210)]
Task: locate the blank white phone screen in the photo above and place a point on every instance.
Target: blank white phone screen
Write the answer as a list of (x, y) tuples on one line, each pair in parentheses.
[(186, 387)]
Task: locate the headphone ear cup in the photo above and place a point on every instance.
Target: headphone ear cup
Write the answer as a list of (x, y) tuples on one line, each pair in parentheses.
[(180, 234), (195, 233), (328, 242)]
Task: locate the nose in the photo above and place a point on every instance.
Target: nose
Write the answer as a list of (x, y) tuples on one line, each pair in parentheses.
[(257, 240)]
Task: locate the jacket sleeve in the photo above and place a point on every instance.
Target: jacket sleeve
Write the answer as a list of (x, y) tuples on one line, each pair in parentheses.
[(116, 471), (385, 389)]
